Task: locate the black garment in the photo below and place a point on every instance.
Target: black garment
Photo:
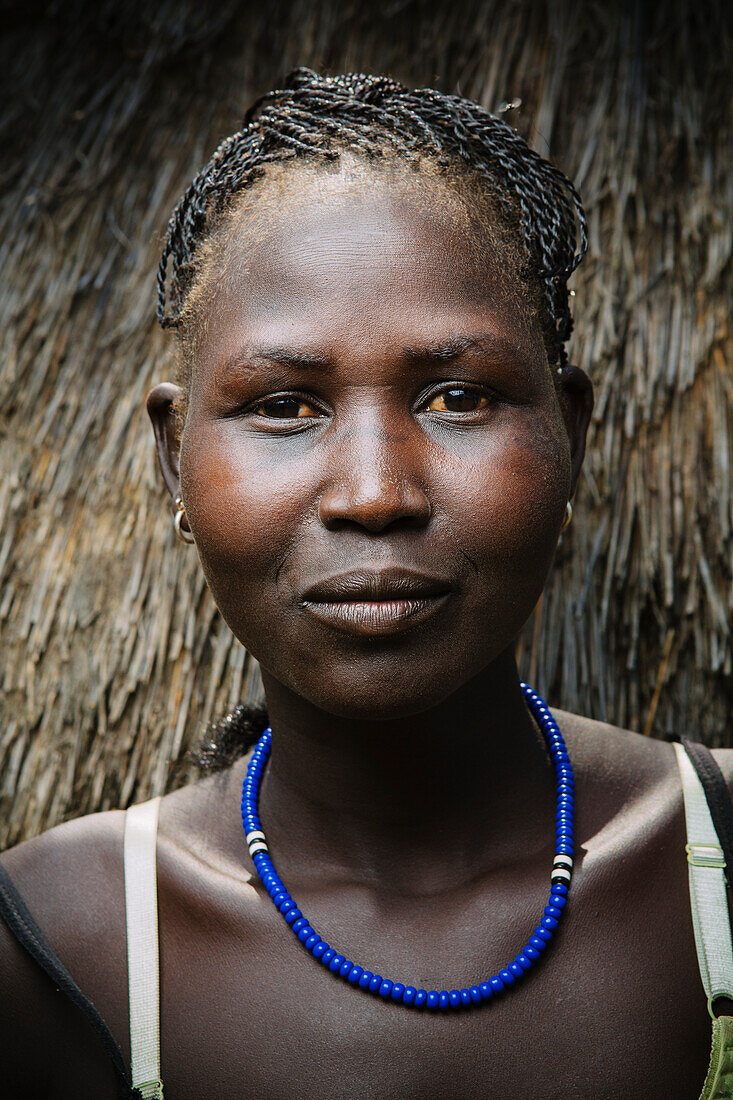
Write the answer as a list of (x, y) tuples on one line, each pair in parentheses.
[(14, 911)]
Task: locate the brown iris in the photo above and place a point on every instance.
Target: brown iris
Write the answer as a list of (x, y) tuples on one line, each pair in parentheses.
[(458, 399), (287, 407)]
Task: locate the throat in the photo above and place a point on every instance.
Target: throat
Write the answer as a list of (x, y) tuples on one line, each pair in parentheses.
[(417, 805)]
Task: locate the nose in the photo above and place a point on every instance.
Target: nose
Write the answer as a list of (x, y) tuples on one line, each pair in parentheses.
[(373, 486)]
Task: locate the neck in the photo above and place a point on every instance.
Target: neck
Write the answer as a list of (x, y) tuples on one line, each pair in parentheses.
[(426, 801)]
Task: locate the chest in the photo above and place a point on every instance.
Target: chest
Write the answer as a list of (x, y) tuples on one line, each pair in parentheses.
[(614, 1008)]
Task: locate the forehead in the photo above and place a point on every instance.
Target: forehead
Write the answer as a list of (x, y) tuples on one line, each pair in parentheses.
[(364, 254)]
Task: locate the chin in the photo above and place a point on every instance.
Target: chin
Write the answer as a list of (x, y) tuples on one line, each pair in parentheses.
[(381, 697)]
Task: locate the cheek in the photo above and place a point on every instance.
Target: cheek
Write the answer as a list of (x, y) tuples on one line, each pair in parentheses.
[(512, 499), (511, 510), (244, 512)]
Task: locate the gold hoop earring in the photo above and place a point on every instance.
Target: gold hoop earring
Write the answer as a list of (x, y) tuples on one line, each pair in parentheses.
[(568, 515), (184, 536)]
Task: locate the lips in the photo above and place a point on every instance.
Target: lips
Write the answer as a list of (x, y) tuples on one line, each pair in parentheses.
[(379, 602)]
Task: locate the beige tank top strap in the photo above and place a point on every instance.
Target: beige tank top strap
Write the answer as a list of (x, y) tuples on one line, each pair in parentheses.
[(141, 907), (711, 923)]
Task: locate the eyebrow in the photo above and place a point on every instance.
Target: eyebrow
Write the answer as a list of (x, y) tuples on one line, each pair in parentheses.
[(288, 357), (445, 351), (442, 351)]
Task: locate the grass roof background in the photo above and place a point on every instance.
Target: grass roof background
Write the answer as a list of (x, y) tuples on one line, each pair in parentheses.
[(114, 656)]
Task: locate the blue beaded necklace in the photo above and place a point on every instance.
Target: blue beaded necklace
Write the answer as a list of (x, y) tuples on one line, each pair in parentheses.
[(408, 995)]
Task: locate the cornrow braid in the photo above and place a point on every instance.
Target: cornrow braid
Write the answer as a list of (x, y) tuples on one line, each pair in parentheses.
[(316, 116)]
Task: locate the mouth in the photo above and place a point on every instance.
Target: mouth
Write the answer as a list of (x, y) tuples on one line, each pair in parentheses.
[(376, 603)]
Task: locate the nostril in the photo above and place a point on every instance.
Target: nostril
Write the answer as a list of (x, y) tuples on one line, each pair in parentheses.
[(374, 504)]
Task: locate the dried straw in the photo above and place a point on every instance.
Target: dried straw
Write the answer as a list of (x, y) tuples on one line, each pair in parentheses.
[(114, 655)]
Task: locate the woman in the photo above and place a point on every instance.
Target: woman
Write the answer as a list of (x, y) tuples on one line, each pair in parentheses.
[(373, 443)]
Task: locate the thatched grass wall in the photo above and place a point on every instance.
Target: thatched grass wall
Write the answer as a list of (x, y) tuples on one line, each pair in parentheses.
[(113, 653)]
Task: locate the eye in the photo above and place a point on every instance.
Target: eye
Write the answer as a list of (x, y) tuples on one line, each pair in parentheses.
[(285, 407), (458, 399)]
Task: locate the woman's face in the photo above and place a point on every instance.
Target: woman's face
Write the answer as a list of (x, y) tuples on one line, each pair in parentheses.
[(376, 456)]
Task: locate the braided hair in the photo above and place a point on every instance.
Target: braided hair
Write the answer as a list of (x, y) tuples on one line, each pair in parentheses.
[(375, 117), (314, 116)]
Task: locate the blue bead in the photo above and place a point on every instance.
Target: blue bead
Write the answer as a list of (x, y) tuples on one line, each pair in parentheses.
[(374, 983), (543, 933), (327, 955), (287, 905), (475, 994), (420, 998), (558, 900), (486, 991), (319, 949), (454, 998), (497, 985), (514, 969), (466, 997), (312, 940), (506, 976), (279, 898), (365, 979), (550, 923), (408, 997), (433, 999), (531, 952), (292, 915), (305, 933), (560, 888), (563, 849), (397, 990), (355, 973), (538, 943), (301, 922), (523, 960), (551, 911), (335, 963), (385, 988), (443, 1000), (345, 968)]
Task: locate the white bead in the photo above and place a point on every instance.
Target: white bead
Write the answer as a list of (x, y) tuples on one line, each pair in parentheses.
[(562, 861), (560, 872), (256, 834), (257, 846)]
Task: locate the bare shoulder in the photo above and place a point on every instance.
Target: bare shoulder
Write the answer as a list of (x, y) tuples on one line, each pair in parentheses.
[(71, 879), (630, 792), (624, 755), (60, 876), (613, 753)]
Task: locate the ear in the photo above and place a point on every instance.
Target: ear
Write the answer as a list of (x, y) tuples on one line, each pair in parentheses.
[(577, 405), (160, 406)]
